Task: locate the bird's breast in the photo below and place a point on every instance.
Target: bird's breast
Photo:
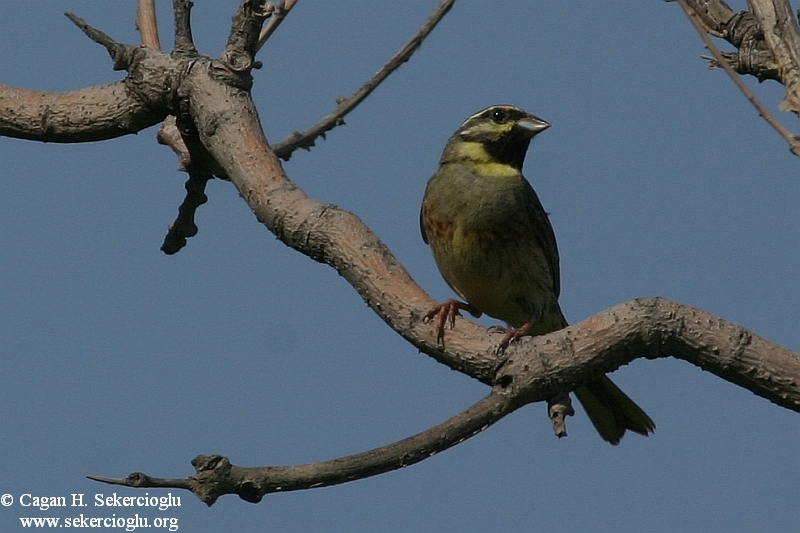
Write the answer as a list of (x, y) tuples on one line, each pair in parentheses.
[(481, 234)]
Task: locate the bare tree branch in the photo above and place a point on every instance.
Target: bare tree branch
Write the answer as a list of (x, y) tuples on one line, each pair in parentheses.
[(742, 30), (168, 134), (216, 476), (218, 121), (783, 37), (279, 13), (704, 20), (537, 369), (184, 43), (306, 139), (333, 236), (226, 125), (240, 51), (146, 23), (91, 114), (200, 166), (120, 54)]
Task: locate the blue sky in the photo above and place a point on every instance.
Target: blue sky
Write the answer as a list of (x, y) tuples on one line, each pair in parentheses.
[(660, 178)]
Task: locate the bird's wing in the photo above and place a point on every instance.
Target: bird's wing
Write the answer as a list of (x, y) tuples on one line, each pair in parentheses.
[(422, 225), (543, 231)]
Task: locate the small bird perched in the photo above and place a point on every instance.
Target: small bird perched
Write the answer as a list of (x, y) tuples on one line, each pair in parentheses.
[(495, 247)]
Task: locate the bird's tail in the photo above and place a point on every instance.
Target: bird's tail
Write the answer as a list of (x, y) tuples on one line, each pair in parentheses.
[(611, 411)]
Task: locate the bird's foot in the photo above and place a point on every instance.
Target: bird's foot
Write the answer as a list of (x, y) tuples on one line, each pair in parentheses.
[(445, 312), (511, 335)]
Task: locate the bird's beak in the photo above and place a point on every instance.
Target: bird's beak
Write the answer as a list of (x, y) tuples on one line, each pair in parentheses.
[(533, 124)]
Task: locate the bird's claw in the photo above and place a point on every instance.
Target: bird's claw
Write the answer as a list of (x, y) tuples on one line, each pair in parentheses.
[(444, 312), (511, 335)]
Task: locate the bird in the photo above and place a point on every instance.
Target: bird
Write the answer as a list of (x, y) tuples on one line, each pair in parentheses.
[(493, 243)]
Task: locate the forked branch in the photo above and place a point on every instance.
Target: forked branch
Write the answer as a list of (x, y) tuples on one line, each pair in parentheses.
[(537, 369), (768, 42), (216, 476), (218, 120)]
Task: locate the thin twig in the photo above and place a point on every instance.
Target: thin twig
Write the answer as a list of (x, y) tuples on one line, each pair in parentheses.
[(168, 134), (146, 23), (184, 226), (791, 138), (216, 476), (279, 13), (305, 140), (184, 43), (651, 327)]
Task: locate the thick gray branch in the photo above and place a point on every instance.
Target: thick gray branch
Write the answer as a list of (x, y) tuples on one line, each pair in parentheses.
[(742, 30), (218, 118), (91, 114), (143, 99), (783, 37), (746, 31), (538, 369), (239, 54), (184, 43), (652, 328), (767, 39), (333, 236)]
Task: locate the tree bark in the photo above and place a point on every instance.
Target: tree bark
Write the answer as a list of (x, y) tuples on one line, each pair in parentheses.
[(220, 127)]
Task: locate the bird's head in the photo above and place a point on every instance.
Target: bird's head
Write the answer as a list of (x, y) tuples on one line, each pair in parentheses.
[(500, 134)]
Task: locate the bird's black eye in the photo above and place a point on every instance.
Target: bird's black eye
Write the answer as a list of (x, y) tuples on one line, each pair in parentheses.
[(499, 115)]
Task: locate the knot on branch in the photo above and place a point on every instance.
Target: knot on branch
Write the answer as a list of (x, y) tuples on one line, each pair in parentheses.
[(753, 56), (238, 61), (138, 479), (153, 76), (243, 41), (257, 10), (233, 69), (212, 477), (741, 28)]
